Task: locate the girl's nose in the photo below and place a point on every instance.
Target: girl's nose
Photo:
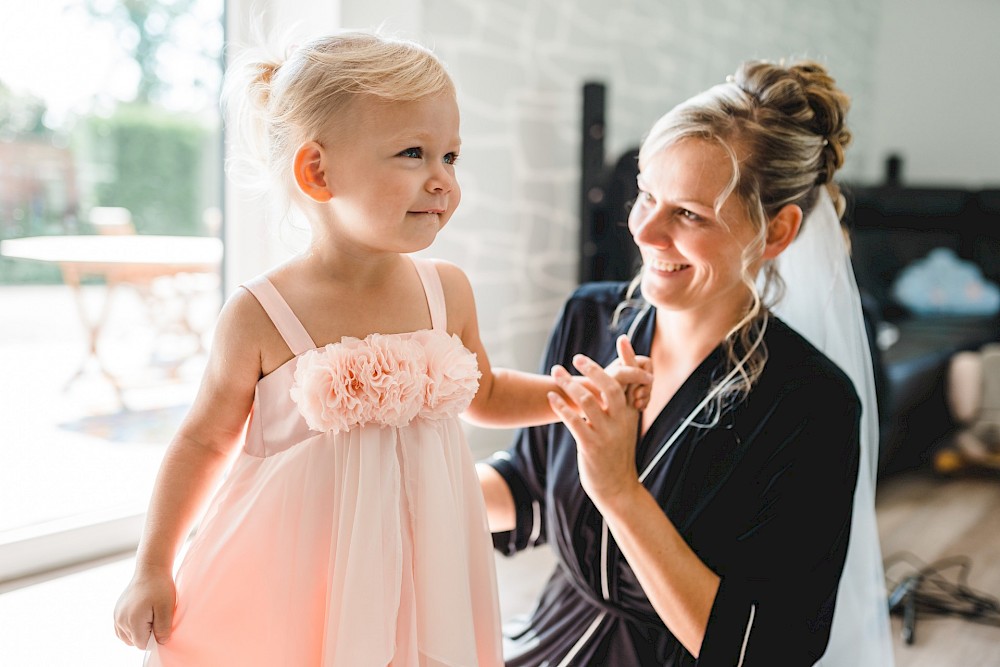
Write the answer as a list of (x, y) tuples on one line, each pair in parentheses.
[(442, 179)]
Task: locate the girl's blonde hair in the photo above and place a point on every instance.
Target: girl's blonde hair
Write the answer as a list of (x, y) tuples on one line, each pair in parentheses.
[(783, 127), (275, 103)]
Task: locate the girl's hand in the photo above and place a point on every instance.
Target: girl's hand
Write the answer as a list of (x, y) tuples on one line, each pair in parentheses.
[(145, 610), (634, 373), (604, 425)]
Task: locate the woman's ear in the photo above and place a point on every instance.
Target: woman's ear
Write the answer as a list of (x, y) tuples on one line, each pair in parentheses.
[(782, 230), (310, 173)]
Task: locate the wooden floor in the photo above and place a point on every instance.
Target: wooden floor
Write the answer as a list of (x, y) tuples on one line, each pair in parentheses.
[(931, 518)]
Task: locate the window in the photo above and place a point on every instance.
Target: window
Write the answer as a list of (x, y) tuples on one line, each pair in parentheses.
[(110, 218)]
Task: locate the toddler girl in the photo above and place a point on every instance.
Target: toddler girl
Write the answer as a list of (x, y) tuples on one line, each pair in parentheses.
[(350, 529)]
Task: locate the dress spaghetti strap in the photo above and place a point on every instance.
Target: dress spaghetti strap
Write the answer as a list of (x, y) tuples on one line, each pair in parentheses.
[(433, 291), (289, 326)]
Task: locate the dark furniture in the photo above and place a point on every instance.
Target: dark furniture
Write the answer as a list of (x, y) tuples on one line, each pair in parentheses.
[(891, 226), (606, 195)]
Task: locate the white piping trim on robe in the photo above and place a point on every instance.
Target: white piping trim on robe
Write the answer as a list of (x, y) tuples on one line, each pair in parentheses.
[(582, 641), (605, 588), (746, 635)]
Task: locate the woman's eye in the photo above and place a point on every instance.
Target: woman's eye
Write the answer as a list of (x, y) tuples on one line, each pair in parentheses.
[(644, 197), (415, 152), (451, 158), (690, 215)]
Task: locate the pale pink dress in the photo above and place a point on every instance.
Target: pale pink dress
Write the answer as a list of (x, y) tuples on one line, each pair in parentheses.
[(351, 529)]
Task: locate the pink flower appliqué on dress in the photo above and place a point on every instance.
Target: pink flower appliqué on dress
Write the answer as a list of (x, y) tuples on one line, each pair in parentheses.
[(452, 375), (384, 379)]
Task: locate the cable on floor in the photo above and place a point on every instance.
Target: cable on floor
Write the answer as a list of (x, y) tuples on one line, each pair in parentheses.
[(936, 589)]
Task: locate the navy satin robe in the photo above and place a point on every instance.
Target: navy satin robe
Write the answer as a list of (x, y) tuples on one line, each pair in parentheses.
[(764, 498)]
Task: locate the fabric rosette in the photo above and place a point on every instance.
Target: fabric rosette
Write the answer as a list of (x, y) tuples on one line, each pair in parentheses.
[(452, 375), (379, 379)]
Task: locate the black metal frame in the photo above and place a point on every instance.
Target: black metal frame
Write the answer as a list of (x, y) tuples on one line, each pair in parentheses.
[(606, 195)]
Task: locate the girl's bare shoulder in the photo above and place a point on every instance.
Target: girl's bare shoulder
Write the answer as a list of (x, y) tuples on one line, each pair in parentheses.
[(242, 316), (245, 334), (458, 294), (453, 279)]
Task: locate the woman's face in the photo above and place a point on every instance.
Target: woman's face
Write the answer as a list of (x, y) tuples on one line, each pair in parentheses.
[(691, 259)]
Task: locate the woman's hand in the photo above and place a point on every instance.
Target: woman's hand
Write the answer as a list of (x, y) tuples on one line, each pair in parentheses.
[(604, 425), (146, 609)]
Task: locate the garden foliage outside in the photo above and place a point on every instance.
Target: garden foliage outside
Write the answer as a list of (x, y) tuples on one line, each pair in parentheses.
[(162, 164)]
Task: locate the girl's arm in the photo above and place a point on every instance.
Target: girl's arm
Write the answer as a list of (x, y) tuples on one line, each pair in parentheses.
[(508, 398), (192, 465)]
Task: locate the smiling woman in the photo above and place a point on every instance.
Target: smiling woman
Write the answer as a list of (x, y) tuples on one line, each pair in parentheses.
[(691, 533)]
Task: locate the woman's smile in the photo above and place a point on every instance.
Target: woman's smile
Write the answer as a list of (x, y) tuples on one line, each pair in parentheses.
[(662, 266)]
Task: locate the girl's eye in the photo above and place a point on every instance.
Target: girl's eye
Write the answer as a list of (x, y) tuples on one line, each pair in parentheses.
[(414, 152), (644, 197), (451, 158), (690, 215)]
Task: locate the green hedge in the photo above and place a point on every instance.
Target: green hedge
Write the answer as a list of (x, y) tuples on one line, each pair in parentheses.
[(154, 164), (164, 167)]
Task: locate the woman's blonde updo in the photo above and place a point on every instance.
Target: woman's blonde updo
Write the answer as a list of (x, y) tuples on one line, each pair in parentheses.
[(784, 129), (278, 101), (801, 112)]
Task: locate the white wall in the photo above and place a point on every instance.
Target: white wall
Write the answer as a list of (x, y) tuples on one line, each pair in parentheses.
[(936, 97), (255, 236), (520, 66)]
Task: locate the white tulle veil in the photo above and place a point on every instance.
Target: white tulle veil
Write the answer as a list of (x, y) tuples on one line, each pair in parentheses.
[(822, 302)]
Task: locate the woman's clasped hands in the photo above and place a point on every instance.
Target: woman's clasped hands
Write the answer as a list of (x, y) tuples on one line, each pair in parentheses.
[(604, 418)]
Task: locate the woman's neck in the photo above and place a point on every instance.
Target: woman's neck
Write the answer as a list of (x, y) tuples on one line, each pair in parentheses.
[(681, 342), (687, 337)]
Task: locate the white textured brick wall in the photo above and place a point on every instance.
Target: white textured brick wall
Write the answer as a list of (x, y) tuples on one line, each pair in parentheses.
[(520, 66)]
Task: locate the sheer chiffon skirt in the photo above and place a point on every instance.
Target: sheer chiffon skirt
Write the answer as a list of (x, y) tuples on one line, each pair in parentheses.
[(368, 547)]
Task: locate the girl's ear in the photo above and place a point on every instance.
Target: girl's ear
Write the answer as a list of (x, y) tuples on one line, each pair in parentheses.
[(310, 174), (782, 230)]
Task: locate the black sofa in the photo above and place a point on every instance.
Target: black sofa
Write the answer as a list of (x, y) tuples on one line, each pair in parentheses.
[(891, 227)]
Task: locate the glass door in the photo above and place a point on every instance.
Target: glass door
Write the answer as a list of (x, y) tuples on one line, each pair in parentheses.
[(110, 258)]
